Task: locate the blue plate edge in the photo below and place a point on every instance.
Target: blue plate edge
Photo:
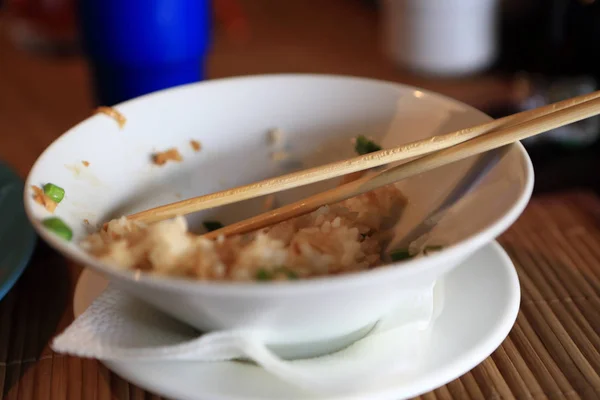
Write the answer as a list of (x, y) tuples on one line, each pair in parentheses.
[(17, 269)]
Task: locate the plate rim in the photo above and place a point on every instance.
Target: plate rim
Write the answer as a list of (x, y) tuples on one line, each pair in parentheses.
[(448, 373)]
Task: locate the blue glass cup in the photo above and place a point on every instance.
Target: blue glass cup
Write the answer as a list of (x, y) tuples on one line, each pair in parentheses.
[(135, 47)]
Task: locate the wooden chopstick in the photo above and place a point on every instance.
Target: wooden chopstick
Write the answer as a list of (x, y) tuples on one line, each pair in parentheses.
[(483, 143), (344, 167)]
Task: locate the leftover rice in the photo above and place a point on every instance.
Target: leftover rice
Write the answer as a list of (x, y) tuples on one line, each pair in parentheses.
[(336, 239)]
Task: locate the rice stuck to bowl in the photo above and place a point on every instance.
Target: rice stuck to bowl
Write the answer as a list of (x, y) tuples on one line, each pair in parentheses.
[(336, 239)]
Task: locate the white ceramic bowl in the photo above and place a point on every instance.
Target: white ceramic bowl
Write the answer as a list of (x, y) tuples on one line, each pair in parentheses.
[(318, 115)]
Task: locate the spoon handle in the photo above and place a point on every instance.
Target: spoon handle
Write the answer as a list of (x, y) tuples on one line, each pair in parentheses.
[(476, 173)]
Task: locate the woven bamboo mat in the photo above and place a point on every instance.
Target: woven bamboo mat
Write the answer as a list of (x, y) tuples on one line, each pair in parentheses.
[(552, 352)]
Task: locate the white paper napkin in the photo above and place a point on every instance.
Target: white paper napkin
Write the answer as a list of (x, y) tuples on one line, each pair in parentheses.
[(119, 327)]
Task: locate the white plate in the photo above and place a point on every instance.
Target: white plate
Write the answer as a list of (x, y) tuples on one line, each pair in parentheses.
[(481, 304)]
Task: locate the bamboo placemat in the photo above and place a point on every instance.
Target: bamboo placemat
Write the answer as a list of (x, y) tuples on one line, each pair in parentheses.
[(552, 352)]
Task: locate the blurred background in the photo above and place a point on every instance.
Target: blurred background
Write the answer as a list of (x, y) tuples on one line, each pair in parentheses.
[(61, 58)]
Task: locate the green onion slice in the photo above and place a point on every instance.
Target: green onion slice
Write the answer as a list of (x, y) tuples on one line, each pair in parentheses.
[(59, 228), (364, 145), (56, 193)]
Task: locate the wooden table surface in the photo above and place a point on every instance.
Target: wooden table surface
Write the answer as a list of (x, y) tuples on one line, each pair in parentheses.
[(553, 352)]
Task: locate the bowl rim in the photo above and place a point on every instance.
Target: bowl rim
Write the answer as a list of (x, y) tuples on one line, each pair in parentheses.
[(360, 278)]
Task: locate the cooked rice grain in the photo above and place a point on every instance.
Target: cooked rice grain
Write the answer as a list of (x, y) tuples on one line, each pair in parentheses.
[(336, 239)]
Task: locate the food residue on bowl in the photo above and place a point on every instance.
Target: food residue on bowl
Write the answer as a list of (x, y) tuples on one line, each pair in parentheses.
[(364, 145), (275, 137), (161, 158), (56, 193), (275, 140), (336, 239), (85, 163), (43, 200), (408, 253), (269, 203), (58, 227), (49, 196), (196, 145), (82, 172), (280, 155), (113, 113)]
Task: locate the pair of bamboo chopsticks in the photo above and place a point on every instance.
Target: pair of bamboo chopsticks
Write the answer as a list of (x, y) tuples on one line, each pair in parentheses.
[(436, 151)]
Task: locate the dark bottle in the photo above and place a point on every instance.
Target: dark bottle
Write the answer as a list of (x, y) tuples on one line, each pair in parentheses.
[(555, 46)]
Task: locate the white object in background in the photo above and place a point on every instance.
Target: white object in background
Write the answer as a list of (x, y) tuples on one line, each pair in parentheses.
[(441, 37)]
